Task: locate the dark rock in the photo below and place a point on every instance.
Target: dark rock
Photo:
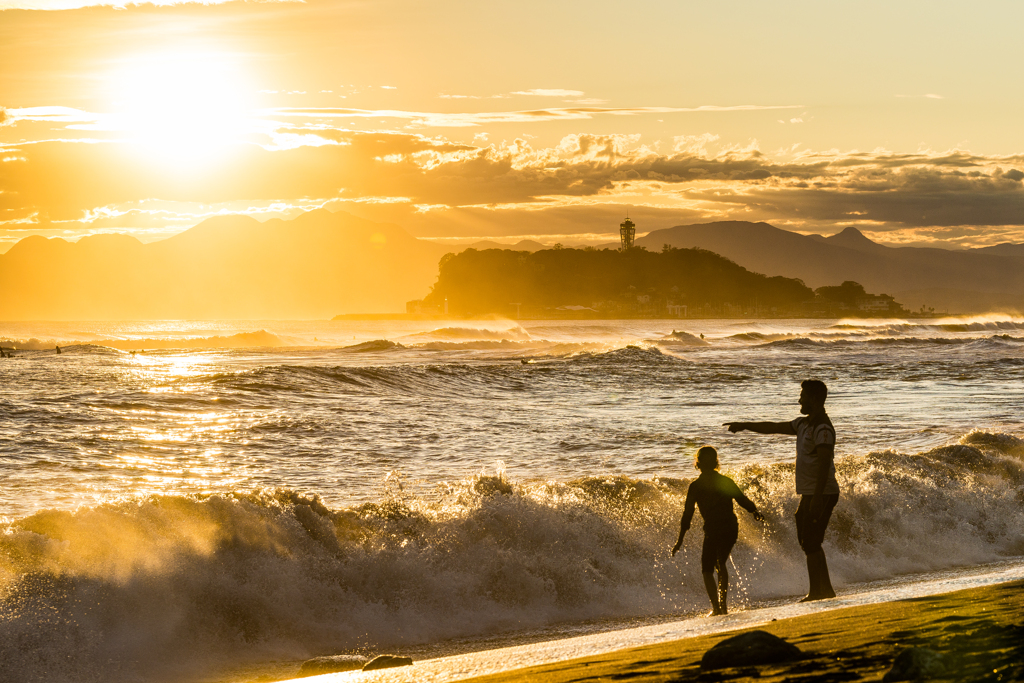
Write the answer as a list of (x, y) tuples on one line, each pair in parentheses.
[(386, 662), (332, 664), (749, 649), (914, 664)]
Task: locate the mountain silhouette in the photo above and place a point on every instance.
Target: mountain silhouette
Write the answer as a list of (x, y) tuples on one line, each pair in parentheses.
[(521, 245), (321, 264), (314, 266), (963, 281)]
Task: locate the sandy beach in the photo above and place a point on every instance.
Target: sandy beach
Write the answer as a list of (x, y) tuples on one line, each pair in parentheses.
[(977, 631)]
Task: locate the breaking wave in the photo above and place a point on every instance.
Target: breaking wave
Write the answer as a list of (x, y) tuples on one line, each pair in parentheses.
[(680, 338), (259, 338), (516, 333), (817, 341), (174, 587), (631, 355), (948, 325), (373, 346)]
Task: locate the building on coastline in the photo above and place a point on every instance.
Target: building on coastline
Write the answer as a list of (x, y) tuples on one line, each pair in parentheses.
[(627, 233)]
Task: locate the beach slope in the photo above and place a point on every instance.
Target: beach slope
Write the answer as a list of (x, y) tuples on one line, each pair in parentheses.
[(978, 633)]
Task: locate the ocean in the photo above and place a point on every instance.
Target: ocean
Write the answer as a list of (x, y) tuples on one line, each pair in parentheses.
[(183, 500)]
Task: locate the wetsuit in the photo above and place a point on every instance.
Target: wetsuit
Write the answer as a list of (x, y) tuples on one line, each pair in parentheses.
[(713, 493)]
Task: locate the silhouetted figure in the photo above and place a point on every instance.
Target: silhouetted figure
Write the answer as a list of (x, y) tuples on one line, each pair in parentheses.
[(58, 350), (815, 478), (713, 493)]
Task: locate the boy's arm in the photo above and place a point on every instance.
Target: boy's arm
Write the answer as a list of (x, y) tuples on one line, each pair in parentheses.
[(745, 502), (684, 523), (749, 506), (762, 427)]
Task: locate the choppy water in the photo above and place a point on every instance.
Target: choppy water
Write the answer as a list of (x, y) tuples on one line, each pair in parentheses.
[(349, 484)]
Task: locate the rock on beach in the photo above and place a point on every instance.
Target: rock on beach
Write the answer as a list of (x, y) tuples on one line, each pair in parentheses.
[(749, 649), (916, 664)]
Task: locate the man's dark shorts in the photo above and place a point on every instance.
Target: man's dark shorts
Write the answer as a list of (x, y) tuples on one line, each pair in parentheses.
[(811, 532), (718, 543)]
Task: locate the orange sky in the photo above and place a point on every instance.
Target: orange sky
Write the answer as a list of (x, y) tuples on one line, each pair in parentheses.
[(507, 119)]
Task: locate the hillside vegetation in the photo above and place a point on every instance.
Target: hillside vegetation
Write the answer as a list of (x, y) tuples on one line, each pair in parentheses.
[(609, 283)]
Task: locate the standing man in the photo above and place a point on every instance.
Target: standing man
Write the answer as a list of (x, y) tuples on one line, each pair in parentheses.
[(815, 478)]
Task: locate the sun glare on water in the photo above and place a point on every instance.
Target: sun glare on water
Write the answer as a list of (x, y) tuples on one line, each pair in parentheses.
[(183, 107)]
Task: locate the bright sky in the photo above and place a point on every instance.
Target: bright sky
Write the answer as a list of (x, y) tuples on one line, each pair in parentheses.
[(546, 119)]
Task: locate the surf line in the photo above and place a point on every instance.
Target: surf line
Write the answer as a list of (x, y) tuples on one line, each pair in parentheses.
[(473, 664)]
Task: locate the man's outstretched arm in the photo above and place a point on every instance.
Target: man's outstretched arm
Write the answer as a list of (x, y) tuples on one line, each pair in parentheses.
[(762, 427)]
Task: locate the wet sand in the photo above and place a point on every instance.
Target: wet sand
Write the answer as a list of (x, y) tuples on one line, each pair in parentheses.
[(979, 632)]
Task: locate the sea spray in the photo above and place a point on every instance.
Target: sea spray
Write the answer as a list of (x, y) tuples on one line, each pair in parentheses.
[(172, 587)]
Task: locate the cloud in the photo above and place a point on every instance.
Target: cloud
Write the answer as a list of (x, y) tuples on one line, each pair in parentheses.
[(545, 92), (470, 119), (53, 115), (699, 179), (55, 5), (536, 92)]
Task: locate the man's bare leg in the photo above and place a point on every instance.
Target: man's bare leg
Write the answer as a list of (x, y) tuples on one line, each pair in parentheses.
[(817, 574), (723, 588)]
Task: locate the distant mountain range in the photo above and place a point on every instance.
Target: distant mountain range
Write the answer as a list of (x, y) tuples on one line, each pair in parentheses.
[(521, 245), (963, 281), (314, 266), (321, 264)]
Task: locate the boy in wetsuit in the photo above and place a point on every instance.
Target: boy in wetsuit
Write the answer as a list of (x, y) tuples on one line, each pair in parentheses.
[(713, 494)]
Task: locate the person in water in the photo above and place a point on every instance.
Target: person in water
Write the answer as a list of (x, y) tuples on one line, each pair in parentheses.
[(713, 494), (815, 478)]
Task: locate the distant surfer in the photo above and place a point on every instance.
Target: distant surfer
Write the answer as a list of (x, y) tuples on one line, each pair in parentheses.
[(58, 349), (815, 478), (713, 493)]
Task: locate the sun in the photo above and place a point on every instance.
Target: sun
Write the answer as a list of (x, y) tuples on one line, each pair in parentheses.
[(183, 106)]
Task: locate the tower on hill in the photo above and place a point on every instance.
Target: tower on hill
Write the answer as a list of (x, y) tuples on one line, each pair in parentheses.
[(627, 231)]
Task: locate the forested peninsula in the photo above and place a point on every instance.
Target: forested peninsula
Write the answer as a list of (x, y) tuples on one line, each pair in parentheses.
[(564, 282), (592, 283)]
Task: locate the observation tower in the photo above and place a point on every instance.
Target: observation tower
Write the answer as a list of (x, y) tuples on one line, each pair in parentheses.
[(627, 231)]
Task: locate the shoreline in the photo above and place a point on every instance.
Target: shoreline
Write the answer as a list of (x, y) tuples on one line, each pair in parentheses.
[(974, 631), (859, 626)]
